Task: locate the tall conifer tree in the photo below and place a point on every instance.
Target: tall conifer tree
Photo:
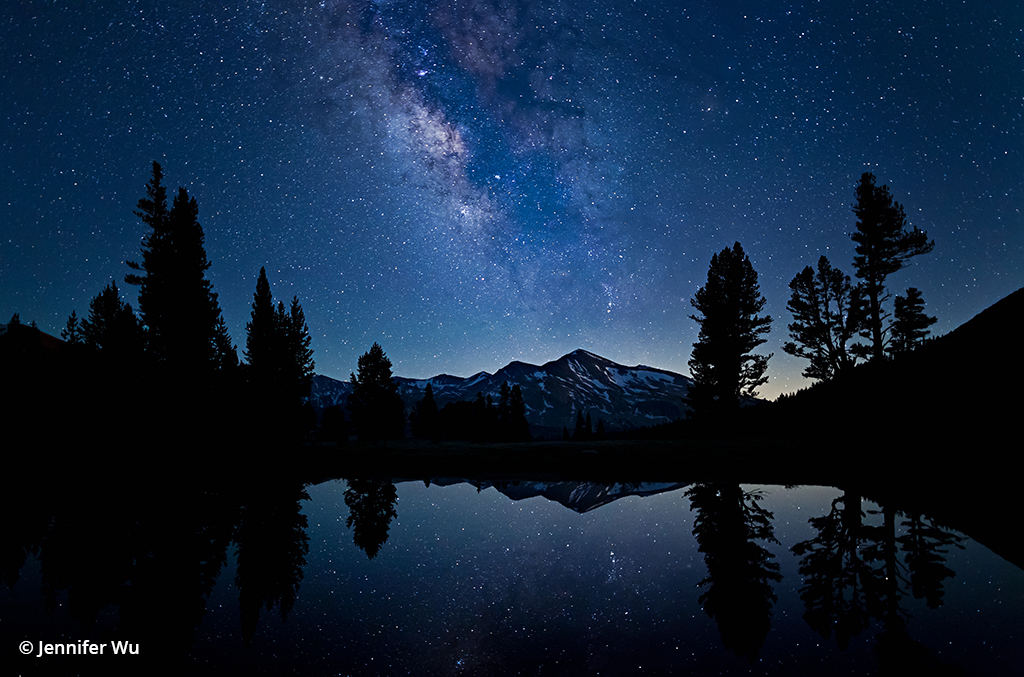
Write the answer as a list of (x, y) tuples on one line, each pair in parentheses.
[(910, 324), (377, 410), (884, 246), (277, 347), (111, 326), (152, 275), (185, 329), (722, 363), (828, 312)]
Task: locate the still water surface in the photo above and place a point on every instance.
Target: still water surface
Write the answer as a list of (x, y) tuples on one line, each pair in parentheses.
[(699, 579)]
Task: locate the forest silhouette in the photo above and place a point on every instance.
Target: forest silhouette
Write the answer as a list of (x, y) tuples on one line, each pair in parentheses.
[(174, 355)]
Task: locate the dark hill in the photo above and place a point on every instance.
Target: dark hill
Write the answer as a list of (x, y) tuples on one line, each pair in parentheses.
[(958, 389)]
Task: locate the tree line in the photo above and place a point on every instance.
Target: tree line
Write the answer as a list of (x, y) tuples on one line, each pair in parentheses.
[(171, 364), (378, 413), (175, 348), (829, 311), (176, 343)]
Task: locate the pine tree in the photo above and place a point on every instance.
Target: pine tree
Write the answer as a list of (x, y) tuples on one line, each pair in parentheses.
[(504, 421), (261, 331), (111, 325), (179, 309), (884, 246), (579, 433), (722, 364), (72, 331), (376, 410), (827, 313), (519, 428), (425, 417), (152, 276), (226, 353), (299, 354), (277, 347), (194, 310), (910, 324)]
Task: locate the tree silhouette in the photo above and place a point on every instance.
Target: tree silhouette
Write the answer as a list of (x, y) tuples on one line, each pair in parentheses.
[(298, 355), (579, 432), (179, 309), (376, 409), (424, 417), (722, 364), (884, 246), (261, 332), (827, 313), (111, 326), (279, 359), (153, 274), (72, 331), (518, 427), (503, 409), (910, 324)]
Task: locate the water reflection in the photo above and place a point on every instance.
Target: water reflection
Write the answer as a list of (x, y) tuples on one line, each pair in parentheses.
[(728, 523), (854, 573), (271, 548), (504, 581), (371, 505)]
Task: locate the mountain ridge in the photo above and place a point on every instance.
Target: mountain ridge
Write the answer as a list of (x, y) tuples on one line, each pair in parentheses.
[(623, 397)]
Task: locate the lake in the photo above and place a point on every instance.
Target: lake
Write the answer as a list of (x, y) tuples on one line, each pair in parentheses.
[(445, 577)]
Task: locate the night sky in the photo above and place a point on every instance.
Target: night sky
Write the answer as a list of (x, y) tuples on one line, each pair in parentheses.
[(469, 183)]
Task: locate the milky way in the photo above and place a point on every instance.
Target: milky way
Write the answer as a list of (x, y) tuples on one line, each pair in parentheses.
[(474, 182)]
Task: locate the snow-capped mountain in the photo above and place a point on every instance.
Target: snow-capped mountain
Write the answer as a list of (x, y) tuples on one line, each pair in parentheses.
[(623, 397)]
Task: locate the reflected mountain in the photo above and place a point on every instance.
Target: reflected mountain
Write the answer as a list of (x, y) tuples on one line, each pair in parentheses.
[(580, 497)]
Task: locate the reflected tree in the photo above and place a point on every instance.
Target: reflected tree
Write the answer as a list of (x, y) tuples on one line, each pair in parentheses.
[(853, 574), (840, 585), (728, 523), (371, 505), (156, 566), (272, 547), (178, 556), (884, 551), (897, 651), (925, 545)]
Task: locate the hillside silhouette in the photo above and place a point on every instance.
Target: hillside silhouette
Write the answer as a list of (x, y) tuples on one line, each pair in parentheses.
[(952, 390)]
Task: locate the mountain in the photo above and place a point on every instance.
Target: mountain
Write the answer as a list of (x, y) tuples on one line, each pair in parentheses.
[(578, 496), (623, 397)]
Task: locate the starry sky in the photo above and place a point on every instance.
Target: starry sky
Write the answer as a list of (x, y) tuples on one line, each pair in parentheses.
[(476, 181)]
